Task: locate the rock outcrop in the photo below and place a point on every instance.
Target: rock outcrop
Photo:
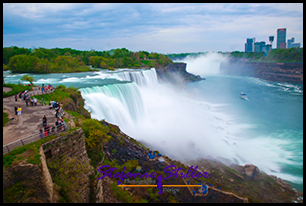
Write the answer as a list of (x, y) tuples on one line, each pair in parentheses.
[(250, 170), (290, 72), (176, 73), (24, 183)]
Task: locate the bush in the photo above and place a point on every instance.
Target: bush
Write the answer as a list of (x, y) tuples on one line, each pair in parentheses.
[(95, 132)]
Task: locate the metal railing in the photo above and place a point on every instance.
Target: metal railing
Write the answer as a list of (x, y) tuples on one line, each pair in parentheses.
[(32, 138)]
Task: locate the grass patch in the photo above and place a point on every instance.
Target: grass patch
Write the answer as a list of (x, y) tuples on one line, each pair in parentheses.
[(28, 151), (58, 95), (5, 118), (16, 89), (78, 118)]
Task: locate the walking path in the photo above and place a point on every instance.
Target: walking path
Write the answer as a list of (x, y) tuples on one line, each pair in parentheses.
[(29, 121), (7, 89)]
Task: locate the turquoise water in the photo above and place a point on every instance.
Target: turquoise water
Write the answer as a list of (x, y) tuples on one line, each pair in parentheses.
[(208, 119), (275, 110)]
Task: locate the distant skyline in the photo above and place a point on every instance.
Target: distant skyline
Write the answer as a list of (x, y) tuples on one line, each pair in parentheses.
[(152, 27)]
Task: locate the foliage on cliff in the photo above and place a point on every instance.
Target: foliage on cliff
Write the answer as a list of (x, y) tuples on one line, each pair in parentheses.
[(56, 60)]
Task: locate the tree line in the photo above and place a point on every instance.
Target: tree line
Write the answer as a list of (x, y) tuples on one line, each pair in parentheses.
[(274, 55), (56, 60)]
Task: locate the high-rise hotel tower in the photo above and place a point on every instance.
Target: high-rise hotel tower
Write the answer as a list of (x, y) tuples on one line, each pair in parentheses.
[(281, 38)]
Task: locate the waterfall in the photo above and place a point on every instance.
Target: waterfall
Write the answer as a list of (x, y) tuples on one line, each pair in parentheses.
[(116, 103), (140, 77)]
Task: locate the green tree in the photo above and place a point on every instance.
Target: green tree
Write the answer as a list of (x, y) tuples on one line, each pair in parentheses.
[(28, 78), (5, 67)]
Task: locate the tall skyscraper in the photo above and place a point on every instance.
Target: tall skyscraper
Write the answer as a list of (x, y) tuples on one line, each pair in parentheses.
[(281, 38), (250, 45)]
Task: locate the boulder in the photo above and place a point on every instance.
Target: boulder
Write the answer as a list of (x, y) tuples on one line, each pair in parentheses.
[(250, 170)]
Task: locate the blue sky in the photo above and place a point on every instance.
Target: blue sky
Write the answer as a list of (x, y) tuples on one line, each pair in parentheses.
[(162, 28)]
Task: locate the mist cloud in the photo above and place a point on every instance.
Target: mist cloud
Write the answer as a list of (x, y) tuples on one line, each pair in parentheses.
[(205, 64)]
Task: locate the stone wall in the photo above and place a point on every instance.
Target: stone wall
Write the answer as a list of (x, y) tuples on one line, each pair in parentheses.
[(272, 71), (67, 160)]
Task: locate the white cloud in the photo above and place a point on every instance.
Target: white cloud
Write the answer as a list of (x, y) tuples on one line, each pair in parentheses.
[(153, 27), (36, 10)]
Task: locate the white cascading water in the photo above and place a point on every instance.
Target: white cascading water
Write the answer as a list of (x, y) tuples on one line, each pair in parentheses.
[(120, 104), (141, 78), (116, 103)]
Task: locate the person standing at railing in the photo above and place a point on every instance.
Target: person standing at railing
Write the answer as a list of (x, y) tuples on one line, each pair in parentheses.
[(45, 130), (53, 129), (41, 133), (63, 123), (57, 125)]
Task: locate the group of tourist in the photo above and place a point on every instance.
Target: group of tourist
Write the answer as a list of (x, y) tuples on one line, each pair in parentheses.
[(45, 129), (59, 112), (26, 97), (44, 88), (60, 125)]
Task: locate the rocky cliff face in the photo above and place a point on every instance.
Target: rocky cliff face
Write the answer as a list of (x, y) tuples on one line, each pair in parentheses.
[(176, 73), (271, 71), (24, 183)]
